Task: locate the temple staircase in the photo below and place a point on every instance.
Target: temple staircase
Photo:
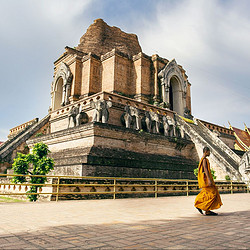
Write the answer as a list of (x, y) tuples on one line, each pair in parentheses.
[(220, 152), (10, 145)]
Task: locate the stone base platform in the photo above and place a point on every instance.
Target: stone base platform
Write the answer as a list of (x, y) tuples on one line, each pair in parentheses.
[(97, 149)]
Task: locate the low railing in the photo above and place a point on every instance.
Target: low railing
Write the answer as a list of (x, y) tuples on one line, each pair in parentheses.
[(82, 187)]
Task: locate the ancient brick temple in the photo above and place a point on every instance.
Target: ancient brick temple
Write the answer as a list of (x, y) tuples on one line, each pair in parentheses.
[(108, 68), (116, 111)]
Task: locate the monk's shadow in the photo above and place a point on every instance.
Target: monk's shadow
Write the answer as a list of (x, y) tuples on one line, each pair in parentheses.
[(230, 214)]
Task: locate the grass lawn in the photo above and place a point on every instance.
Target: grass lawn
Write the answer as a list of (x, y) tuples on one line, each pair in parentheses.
[(9, 199)]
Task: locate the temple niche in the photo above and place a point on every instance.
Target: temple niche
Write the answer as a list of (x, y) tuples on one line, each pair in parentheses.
[(61, 86), (175, 89)]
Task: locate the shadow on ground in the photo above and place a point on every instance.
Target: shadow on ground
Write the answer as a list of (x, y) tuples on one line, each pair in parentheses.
[(228, 230)]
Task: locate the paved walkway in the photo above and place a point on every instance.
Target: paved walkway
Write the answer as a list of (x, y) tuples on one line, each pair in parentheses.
[(169, 222)]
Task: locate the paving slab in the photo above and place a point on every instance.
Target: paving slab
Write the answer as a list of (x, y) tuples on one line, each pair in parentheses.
[(145, 223)]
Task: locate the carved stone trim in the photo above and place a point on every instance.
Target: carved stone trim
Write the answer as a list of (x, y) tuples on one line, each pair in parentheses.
[(112, 53), (172, 70), (141, 55), (64, 73), (90, 55)]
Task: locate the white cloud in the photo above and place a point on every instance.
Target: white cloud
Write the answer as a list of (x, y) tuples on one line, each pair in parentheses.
[(3, 133), (59, 11), (33, 35), (28, 21), (210, 39)]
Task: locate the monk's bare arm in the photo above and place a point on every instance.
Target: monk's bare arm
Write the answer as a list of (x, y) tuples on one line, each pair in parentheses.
[(205, 170)]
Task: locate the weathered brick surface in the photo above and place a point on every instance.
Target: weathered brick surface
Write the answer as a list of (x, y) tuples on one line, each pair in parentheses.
[(100, 38), (111, 60), (109, 150)]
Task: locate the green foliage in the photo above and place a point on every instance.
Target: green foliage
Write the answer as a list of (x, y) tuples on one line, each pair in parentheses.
[(20, 166), (41, 165), (39, 134), (164, 105), (8, 199), (151, 100), (227, 177), (212, 173), (121, 93), (196, 172)]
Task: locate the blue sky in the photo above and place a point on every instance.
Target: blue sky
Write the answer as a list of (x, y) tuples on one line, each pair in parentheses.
[(210, 39)]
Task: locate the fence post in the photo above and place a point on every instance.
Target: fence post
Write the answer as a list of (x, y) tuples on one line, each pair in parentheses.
[(114, 188), (156, 188), (231, 187), (57, 188), (187, 188)]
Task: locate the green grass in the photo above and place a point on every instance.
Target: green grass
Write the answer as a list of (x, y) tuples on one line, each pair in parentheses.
[(8, 199)]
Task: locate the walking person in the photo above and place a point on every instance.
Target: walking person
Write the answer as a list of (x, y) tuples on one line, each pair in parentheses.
[(209, 197)]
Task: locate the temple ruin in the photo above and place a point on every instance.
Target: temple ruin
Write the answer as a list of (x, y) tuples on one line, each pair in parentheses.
[(116, 111)]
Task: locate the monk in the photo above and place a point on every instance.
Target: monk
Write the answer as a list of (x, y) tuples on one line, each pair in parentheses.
[(209, 197)]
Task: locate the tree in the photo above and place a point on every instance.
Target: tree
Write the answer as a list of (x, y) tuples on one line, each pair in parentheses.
[(35, 163)]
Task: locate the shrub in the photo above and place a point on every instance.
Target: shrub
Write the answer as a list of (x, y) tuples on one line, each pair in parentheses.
[(212, 172), (41, 165)]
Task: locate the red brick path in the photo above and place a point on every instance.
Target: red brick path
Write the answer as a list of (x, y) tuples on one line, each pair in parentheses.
[(171, 223)]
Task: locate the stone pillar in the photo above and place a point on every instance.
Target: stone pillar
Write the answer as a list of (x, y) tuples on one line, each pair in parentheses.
[(156, 88), (67, 93), (165, 92), (64, 92)]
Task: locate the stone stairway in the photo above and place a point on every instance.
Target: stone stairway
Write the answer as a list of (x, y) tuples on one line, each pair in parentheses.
[(220, 152), (217, 144), (10, 145)]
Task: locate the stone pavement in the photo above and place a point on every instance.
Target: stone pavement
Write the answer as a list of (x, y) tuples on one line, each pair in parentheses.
[(146, 223)]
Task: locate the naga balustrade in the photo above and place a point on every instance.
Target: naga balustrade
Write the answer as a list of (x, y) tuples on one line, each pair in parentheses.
[(110, 186)]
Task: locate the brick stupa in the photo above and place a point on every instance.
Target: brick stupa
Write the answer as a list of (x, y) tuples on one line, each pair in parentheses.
[(101, 38)]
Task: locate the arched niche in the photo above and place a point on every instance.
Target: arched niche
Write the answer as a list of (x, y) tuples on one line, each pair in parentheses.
[(174, 87), (61, 86), (58, 93), (175, 95)]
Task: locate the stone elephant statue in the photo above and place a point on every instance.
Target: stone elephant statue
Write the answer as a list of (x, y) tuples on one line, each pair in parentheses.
[(81, 117), (101, 113), (127, 116), (131, 117), (181, 132), (136, 119), (172, 125), (148, 121), (155, 122), (165, 125), (74, 110)]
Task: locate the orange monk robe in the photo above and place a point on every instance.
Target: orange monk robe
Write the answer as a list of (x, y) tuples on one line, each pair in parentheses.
[(209, 197)]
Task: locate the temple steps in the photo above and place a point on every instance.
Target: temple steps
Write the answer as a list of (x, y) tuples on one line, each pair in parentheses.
[(222, 154), (10, 145)]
